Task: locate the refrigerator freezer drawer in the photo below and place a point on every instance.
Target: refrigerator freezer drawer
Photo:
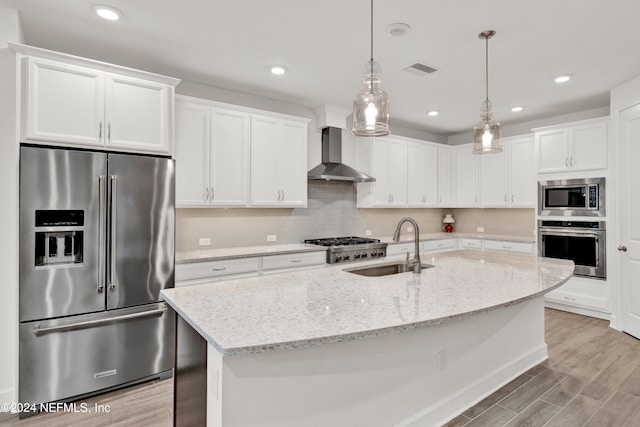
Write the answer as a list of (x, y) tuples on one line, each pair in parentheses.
[(77, 355)]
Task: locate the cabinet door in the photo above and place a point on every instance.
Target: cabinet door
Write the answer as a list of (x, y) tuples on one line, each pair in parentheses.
[(523, 174), (265, 154), (493, 180), (444, 177), (64, 103), (192, 155), (466, 176), (292, 163), (138, 114), (229, 158), (278, 162), (380, 170), (589, 147), (397, 173), (422, 172), (552, 151)]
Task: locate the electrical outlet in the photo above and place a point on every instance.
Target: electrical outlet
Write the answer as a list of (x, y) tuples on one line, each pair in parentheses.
[(271, 237), (367, 232), (409, 229), (441, 360), (480, 229), (204, 241)]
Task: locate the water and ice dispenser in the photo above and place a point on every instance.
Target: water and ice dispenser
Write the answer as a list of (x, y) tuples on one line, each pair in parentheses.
[(59, 237)]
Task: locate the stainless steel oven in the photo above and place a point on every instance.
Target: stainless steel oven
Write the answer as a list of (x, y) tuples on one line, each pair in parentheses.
[(572, 197), (583, 242)]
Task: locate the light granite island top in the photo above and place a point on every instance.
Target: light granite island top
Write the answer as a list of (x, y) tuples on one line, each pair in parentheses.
[(329, 347), (318, 306)]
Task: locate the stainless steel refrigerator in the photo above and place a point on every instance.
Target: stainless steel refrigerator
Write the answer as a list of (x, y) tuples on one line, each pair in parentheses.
[(96, 248)]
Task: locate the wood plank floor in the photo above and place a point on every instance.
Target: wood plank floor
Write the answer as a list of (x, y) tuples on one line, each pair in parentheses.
[(592, 379)]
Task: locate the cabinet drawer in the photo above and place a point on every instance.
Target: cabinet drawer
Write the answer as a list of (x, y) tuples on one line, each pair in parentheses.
[(274, 262), (471, 243), (440, 245), (519, 247), (212, 269), (400, 248)]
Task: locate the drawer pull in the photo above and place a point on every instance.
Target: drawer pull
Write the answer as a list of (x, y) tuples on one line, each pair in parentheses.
[(506, 247), (219, 269), (296, 260), (570, 299)]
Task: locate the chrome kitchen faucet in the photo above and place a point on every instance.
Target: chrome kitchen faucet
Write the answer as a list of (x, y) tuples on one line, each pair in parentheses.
[(414, 263)]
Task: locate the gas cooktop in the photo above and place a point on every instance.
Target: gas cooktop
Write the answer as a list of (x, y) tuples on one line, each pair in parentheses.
[(344, 249)]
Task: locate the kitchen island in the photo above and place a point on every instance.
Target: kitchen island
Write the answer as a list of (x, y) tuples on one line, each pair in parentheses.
[(329, 347)]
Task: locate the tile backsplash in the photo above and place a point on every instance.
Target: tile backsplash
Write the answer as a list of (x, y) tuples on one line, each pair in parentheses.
[(331, 212)]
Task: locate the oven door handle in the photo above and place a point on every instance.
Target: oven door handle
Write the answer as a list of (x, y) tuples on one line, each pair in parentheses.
[(572, 233)]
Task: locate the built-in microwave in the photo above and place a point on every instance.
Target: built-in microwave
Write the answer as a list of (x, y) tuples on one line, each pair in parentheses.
[(572, 197)]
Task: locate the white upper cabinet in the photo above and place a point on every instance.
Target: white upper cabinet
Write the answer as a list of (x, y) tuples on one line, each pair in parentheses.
[(212, 155), (422, 167), (278, 162), (384, 158), (523, 181), (72, 101), (465, 176), (493, 179), (572, 147), (444, 177)]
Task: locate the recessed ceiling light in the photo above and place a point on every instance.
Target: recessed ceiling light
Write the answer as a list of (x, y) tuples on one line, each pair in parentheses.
[(107, 12), (278, 70), (398, 29), (433, 113), (563, 78), (516, 109)]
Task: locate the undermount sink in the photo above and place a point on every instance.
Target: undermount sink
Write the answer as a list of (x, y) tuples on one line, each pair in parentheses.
[(385, 269)]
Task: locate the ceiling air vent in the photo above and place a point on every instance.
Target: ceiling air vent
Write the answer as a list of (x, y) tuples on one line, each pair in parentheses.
[(420, 69)]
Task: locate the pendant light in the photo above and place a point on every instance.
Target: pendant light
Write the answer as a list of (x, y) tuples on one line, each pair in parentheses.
[(371, 104), (486, 134)]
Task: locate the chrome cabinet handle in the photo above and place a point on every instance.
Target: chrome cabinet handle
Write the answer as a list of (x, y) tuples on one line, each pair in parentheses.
[(392, 198), (570, 299), (212, 193), (109, 132), (100, 130), (102, 226), (566, 162), (622, 248), (283, 195), (219, 269), (296, 261), (512, 198), (206, 193), (505, 198), (571, 161), (114, 219), (79, 325)]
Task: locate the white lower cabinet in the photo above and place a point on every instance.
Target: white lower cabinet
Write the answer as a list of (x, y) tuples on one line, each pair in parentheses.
[(213, 271), (470, 244), (582, 295), (440, 245), (500, 245), (287, 262)]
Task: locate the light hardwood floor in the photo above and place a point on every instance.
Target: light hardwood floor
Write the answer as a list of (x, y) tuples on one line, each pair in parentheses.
[(592, 378)]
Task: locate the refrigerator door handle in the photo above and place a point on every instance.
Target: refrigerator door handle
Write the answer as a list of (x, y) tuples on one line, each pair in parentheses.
[(91, 323), (102, 226), (112, 244)]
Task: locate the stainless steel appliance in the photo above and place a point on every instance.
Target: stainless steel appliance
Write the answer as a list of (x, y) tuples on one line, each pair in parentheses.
[(96, 248), (345, 249), (572, 197), (583, 242)]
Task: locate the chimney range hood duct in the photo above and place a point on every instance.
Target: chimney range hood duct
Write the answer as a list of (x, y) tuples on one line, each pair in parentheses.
[(332, 168)]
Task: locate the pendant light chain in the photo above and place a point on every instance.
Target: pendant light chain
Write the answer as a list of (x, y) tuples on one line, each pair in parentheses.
[(371, 28), (486, 70)]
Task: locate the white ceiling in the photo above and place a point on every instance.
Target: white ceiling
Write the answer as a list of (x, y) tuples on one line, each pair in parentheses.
[(325, 44)]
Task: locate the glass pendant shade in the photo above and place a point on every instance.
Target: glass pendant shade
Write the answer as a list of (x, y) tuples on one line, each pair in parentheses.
[(486, 134), (371, 105)]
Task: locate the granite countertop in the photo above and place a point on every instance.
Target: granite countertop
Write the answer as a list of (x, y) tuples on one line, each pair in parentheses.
[(202, 255), (408, 237), (184, 257), (326, 305)]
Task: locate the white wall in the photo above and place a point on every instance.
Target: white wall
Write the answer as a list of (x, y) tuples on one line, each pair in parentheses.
[(10, 31)]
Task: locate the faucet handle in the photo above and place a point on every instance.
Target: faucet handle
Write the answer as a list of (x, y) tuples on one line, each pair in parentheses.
[(407, 259)]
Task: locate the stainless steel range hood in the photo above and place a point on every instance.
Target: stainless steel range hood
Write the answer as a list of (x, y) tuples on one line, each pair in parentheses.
[(332, 168)]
